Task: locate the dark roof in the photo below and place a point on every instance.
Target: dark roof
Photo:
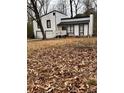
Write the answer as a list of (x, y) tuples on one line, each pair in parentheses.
[(80, 16), (74, 22), (53, 11)]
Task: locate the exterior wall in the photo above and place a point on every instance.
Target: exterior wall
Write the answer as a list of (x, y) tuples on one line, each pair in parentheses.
[(53, 31), (50, 32), (37, 32), (86, 31), (77, 32), (59, 16), (59, 30)]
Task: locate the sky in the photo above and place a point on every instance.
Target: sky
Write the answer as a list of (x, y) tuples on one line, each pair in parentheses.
[(54, 2)]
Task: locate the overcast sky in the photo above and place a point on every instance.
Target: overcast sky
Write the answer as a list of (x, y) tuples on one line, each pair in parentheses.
[(54, 2)]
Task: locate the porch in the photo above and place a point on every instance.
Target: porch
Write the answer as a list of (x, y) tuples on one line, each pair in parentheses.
[(76, 26)]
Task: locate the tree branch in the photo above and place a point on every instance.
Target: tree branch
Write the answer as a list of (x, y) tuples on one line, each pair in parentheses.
[(31, 15), (31, 8)]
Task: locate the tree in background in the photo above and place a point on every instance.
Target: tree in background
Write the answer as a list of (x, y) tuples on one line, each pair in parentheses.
[(62, 6), (90, 7), (30, 33), (71, 8), (95, 4), (77, 5), (35, 10), (45, 6)]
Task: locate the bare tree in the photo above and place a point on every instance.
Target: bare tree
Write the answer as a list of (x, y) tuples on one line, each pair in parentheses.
[(62, 6), (95, 4), (35, 6), (45, 6), (71, 8), (91, 7), (77, 5), (88, 6)]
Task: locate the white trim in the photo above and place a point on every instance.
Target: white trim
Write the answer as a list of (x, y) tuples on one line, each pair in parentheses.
[(77, 19)]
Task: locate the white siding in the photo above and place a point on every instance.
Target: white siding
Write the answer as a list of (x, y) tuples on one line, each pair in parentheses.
[(59, 28), (39, 34), (50, 32), (36, 30), (59, 16)]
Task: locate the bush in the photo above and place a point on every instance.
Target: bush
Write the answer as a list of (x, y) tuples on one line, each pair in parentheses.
[(30, 33), (95, 25)]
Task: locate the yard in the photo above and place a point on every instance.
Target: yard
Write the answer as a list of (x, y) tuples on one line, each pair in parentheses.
[(66, 65)]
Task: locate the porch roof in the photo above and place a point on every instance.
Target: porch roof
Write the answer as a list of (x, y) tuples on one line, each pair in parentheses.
[(73, 22)]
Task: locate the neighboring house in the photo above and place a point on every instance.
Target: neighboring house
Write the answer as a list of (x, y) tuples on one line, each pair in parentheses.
[(56, 24)]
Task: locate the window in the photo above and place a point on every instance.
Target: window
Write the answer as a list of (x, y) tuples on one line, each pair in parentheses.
[(48, 24), (64, 28)]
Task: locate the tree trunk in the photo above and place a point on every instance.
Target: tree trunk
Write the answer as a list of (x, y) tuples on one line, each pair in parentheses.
[(38, 20), (41, 28), (76, 10), (71, 9)]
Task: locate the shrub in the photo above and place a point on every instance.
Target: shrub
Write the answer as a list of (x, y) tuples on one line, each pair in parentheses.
[(30, 33)]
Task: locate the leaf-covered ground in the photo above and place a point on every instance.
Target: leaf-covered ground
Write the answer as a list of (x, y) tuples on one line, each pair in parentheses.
[(62, 66)]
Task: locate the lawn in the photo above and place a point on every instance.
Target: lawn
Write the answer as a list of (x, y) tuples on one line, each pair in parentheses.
[(66, 65)]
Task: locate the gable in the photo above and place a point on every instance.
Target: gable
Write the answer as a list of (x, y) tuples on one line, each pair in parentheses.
[(54, 12)]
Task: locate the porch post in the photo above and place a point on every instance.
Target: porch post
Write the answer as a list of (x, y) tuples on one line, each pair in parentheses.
[(91, 25)]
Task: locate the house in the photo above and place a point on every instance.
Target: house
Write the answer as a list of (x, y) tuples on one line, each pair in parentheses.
[(56, 24)]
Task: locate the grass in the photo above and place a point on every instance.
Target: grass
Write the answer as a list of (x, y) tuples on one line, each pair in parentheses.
[(37, 44)]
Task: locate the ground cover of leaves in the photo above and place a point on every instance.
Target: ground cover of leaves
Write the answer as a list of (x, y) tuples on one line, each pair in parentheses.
[(62, 66)]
